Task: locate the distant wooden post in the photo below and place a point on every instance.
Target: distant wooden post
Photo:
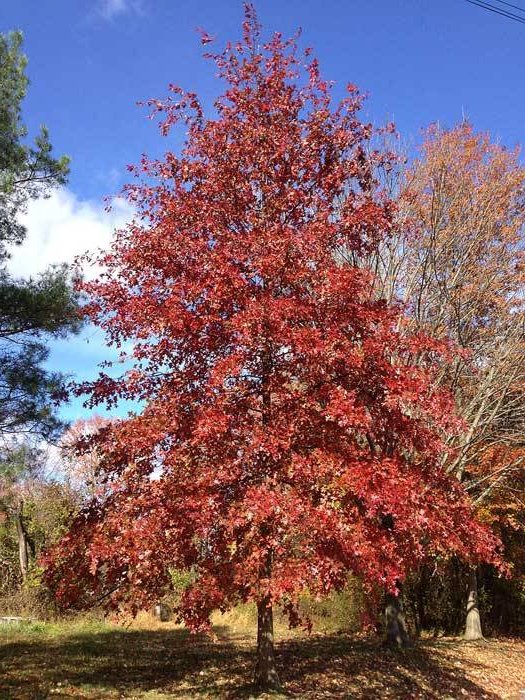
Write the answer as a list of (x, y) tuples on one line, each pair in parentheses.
[(162, 612)]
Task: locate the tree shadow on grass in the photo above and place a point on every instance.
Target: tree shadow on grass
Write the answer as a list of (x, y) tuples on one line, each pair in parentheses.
[(344, 666), (174, 664)]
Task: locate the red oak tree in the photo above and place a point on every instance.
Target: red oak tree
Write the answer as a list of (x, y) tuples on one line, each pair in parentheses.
[(286, 437)]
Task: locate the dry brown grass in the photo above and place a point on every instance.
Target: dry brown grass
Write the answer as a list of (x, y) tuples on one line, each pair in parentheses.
[(153, 661)]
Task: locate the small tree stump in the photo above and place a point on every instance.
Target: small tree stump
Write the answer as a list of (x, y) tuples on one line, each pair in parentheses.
[(12, 620), (162, 612)]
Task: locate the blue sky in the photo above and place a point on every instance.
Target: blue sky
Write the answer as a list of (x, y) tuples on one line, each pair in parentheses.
[(90, 61)]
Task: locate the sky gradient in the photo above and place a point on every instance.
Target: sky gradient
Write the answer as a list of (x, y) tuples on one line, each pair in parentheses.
[(91, 61)]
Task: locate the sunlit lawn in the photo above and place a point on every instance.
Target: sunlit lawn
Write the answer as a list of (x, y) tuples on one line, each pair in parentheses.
[(153, 660)]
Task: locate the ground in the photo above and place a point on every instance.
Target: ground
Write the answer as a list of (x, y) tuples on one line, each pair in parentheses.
[(158, 661)]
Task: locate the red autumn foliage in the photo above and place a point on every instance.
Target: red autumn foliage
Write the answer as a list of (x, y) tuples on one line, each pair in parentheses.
[(287, 437)]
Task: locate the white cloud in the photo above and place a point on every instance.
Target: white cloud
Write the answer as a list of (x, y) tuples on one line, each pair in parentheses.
[(62, 227), (109, 9)]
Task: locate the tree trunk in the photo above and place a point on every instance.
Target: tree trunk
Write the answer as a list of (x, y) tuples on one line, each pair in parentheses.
[(266, 677), (420, 602), (396, 629), (473, 625), (23, 546)]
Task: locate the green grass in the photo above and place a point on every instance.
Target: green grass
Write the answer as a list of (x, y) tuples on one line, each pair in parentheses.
[(51, 629)]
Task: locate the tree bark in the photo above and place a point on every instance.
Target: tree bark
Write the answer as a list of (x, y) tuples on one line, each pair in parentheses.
[(266, 676), (396, 629), (23, 546), (473, 629), (420, 599)]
